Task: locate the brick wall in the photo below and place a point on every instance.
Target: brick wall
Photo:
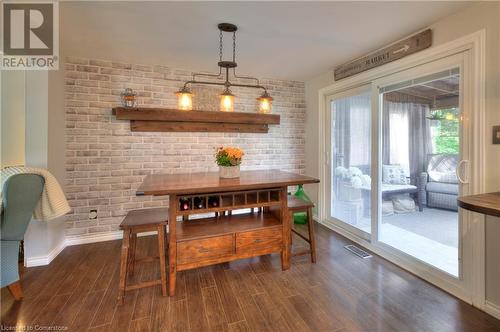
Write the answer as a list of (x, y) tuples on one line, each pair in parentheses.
[(105, 162)]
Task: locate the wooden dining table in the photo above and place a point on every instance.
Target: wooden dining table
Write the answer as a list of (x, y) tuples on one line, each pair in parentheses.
[(488, 203), (221, 236)]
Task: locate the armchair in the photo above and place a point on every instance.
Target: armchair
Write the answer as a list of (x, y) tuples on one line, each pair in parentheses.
[(440, 182), (20, 196)]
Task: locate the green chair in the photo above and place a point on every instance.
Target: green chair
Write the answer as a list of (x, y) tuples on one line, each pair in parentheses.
[(20, 195)]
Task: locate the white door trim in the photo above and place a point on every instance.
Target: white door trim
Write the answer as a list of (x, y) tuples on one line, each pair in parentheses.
[(474, 45)]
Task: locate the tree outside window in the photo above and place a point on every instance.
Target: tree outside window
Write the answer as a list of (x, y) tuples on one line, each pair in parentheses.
[(445, 132)]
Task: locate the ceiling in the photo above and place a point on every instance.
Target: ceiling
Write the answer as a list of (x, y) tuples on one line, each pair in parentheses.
[(283, 40), (441, 93), (439, 89)]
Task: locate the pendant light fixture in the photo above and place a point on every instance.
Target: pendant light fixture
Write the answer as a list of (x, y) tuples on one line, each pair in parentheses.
[(227, 101), (185, 96), (185, 99), (265, 103)]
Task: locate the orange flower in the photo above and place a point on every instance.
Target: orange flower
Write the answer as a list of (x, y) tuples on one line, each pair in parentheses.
[(228, 155), (235, 153)]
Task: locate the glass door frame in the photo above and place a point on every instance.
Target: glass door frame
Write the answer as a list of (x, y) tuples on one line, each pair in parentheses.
[(473, 47), (328, 148), (461, 287), (464, 280)]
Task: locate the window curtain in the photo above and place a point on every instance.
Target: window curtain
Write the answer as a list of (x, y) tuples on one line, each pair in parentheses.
[(352, 130), (406, 136)]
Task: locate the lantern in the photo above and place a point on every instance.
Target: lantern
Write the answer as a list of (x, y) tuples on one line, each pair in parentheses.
[(185, 99), (227, 101), (129, 99), (265, 103)]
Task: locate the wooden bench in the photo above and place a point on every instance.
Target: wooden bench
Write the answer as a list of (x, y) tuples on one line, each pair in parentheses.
[(139, 221), (299, 205)]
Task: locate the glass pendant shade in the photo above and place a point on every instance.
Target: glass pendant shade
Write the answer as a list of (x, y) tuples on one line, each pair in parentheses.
[(227, 101), (265, 103), (185, 100)]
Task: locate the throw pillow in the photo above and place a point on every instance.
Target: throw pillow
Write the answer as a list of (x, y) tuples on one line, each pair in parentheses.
[(442, 168), (393, 174), (403, 204)]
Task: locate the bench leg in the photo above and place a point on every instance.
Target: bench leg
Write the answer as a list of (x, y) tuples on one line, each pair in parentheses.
[(131, 252), (171, 281), (312, 239), (161, 253), (123, 265), (16, 290), (285, 220)]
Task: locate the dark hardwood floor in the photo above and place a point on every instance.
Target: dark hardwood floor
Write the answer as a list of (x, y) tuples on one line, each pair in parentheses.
[(342, 292)]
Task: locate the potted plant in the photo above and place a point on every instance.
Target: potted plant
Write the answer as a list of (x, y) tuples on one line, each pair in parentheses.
[(229, 160)]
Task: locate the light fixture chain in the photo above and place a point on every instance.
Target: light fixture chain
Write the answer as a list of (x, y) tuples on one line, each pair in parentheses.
[(234, 46), (220, 45)]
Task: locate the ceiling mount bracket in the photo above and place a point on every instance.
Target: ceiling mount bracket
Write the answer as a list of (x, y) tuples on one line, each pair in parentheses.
[(227, 27), (227, 64)]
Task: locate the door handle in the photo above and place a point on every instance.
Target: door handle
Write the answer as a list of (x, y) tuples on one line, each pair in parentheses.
[(459, 169)]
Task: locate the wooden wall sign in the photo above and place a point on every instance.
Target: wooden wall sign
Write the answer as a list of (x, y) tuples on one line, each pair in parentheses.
[(410, 45)]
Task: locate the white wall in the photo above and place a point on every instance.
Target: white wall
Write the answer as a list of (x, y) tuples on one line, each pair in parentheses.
[(12, 118), (312, 125), (43, 239), (485, 15)]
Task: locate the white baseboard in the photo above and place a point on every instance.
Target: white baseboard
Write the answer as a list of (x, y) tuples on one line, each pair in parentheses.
[(45, 260), (92, 238), (492, 308), (99, 237), (76, 240)]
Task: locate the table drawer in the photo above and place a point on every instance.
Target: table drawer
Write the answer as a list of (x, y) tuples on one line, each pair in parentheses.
[(259, 241), (209, 248)]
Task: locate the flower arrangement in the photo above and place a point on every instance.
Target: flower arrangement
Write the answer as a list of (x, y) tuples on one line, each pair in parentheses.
[(228, 156), (229, 160), (353, 176)]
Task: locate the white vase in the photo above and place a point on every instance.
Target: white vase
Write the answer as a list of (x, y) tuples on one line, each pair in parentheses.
[(229, 172)]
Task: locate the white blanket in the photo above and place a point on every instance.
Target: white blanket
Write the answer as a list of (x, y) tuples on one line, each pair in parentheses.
[(53, 203)]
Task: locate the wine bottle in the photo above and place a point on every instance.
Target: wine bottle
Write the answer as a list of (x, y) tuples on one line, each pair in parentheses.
[(213, 201), (184, 204), (199, 202)]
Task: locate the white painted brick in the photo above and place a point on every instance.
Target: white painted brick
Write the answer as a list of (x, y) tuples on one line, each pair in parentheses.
[(106, 162)]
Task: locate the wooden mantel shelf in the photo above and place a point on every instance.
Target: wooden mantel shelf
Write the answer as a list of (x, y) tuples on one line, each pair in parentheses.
[(163, 119)]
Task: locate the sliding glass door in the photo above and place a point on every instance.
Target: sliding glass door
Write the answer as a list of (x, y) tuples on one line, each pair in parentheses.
[(397, 160), (420, 145), (350, 162)]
